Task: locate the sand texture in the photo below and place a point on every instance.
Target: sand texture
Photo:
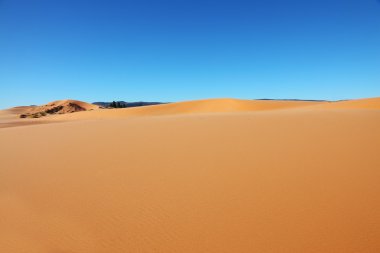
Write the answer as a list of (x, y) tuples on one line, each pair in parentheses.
[(200, 176)]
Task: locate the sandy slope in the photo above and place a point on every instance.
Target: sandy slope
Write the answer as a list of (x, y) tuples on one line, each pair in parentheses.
[(58, 107), (295, 180), (11, 116)]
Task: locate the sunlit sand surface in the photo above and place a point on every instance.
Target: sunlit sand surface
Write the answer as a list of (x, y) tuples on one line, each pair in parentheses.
[(219, 175)]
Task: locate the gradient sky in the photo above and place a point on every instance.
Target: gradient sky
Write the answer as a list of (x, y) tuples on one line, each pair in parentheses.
[(172, 50)]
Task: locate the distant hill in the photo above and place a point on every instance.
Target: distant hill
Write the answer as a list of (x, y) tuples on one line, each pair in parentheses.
[(129, 104)]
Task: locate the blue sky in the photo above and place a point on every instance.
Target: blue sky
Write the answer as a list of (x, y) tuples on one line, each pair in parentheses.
[(173, 50)]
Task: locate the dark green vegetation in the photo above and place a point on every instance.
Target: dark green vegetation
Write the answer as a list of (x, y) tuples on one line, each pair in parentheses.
[(118, 104), (123, 104)]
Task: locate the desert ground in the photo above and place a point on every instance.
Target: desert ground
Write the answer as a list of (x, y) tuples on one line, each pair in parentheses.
[(216, 175)]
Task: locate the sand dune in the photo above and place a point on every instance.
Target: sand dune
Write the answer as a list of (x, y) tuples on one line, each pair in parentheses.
[(55, 107), (193, 107), (296, 181), (220, 106), (89, 111), (67, 106), (31, 115)]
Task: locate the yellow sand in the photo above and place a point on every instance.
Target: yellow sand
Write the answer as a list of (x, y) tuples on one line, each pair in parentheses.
[(227, 177)]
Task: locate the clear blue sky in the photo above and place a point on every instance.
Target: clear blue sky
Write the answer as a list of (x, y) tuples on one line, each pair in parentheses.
[(172, 50)]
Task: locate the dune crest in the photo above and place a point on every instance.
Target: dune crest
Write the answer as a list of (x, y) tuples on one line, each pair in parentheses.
[(365, 103), (55, 107)]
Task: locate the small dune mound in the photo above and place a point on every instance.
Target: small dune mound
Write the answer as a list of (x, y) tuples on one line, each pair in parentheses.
[(57, 107)]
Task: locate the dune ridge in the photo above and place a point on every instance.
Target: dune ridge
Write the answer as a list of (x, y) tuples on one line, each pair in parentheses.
[(31, 115), (55, 107), (85, 111), (221, 105), (226, 105), (365, 103)]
